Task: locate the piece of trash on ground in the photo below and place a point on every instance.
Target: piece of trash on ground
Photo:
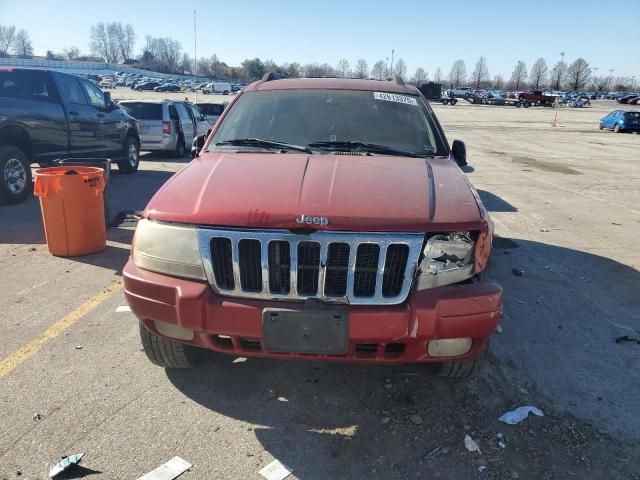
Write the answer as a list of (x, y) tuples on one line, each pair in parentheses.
[(433, 452), (501, 443), (78, 347), (627, 338), (516, 416), (482, 468), (64, 464), (276, 470), (518, 272), (36, 416), (123, 308), (470, 444), (168, 471)]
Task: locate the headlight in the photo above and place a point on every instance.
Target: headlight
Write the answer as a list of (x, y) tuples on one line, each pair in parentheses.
[(447, 259), (167, 248)]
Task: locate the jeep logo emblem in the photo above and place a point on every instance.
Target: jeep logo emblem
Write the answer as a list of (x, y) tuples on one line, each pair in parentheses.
[(308, 220)]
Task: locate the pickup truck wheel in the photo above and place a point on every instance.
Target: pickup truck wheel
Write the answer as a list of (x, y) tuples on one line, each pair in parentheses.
[(167, 353), (131, 153), (526, 104), (15, 175), (463, 368), (518, 104)]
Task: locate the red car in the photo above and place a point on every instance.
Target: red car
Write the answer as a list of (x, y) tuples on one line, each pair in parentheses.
[(322, 219)]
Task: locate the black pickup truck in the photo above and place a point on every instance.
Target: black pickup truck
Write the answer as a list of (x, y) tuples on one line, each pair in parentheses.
[(46, 115)]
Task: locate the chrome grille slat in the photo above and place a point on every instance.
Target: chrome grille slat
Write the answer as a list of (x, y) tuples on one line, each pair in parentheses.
[(397, 269)]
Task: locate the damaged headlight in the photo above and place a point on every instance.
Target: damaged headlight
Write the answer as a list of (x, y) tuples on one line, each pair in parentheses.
[(447, 259), (169, 249)]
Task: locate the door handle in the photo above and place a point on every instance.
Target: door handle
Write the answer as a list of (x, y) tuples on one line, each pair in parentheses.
[(101, 115), (73, 112)]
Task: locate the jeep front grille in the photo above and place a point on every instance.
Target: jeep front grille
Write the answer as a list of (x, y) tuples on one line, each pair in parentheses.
[(341, 267)]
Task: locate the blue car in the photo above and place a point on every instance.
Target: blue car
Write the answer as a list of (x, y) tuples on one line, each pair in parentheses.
[(621, 121)]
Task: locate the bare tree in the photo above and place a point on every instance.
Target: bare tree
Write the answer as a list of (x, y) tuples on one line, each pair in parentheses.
[(126, 41), (316, 70), (498, 82), (362, 69), (185, 63), (293, 70), (519, 75), (7, 39), (101, 43), (538, 75), (578, 74), (217, 66), (601, 83), (458, 73), (558, 73), (480, 73), (378, 69), (343, 68), (437, 77), (22, 46), (71, 53), (420, 76), (400, 68)]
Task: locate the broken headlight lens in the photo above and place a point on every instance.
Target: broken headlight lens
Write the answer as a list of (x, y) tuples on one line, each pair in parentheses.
[(447, 259), (168, 248)]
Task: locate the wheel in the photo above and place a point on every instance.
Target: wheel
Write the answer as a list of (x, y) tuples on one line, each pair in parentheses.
[(454, 101), (601, 126), (131, 153), (15, 175), (463, 368), (226, 92), (526, 104), (180, 148), (518, 104), (445, 101), (616, 128), (167, 353)]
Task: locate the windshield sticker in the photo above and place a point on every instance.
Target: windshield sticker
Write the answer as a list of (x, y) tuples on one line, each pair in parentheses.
[(392, 97)]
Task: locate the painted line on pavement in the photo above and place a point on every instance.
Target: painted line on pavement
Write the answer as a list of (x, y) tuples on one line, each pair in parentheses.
[(8, 364)]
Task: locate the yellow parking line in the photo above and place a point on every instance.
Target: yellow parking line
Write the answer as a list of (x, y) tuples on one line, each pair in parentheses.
[(26, 351)]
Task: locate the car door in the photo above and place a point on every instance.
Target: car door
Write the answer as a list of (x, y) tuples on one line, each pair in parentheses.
[(610, 119), (85, 128), (111, 125), (200, 120), (186, 123)]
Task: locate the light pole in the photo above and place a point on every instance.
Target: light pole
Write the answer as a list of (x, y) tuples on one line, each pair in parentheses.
[(560, 70), (195, 55), (633, 82), (392, 52), (386, 67)]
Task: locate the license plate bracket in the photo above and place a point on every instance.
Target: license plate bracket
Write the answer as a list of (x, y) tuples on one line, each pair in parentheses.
[(305, 331)]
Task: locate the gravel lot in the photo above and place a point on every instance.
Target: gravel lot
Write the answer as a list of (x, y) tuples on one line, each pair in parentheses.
[(566, 204)]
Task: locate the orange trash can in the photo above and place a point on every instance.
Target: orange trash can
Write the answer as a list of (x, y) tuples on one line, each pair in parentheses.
[(71, 200)]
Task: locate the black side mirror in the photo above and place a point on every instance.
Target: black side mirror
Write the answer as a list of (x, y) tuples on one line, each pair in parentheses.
[(459, 152), (108, 103), (197, 145)]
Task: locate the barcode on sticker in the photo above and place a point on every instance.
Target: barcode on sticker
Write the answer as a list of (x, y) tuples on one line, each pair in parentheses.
[(393, 97)]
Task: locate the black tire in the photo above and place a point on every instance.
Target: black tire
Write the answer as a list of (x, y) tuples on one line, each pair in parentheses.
[(445, 101), (15, 175), (131, 156), (518, 104), (226, 92), (463, 368), (526, 104), (167, 353), (453, 102), (180, 150)]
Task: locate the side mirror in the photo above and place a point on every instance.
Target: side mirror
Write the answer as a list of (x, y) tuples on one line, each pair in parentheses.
[(108, 103), (459, 152), (197, 145)]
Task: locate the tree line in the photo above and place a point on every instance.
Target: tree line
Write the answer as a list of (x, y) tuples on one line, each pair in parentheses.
[(114, 42)]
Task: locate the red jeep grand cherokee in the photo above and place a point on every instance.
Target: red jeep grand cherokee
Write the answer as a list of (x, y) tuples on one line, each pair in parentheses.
[(322, 219)]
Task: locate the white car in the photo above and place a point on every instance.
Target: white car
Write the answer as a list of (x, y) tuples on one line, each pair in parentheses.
[(218, 87), (461, 91), (107, 84)]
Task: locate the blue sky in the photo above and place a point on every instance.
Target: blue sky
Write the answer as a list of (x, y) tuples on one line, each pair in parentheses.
[(426, 34)]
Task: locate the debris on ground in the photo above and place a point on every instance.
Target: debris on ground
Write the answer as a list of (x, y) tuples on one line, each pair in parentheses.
[(123, 308), (470, 444), (482, 468), (627, 338), (432, 453), (416, 419), (36, 416), (276, 470), (544, 230), (518, 272), (501, 443), (168, 470), (65, 463), (516, 416), (78, 347)]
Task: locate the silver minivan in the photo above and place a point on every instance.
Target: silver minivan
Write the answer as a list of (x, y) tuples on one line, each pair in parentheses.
[(166, 125)]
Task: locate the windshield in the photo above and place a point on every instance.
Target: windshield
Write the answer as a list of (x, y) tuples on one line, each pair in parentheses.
[(331, 118)]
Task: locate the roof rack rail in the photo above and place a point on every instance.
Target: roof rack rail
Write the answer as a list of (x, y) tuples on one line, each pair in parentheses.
[(395, 78)]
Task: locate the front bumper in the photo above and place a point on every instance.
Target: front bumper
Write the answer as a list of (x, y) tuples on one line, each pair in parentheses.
[(377, 334)]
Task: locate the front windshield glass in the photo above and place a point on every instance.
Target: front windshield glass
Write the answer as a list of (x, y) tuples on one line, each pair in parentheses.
[(306, 117)]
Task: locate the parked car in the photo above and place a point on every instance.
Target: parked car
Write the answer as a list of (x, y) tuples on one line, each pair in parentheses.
[(167, 87), (146, 86), (218, 87), (107, 84), (461, 92), (236, 87), (633, 101), (212, 110), (323, 219), (536, 97), (166, 125), (621, 121), (626, 98), (46, 115), (579, 102)]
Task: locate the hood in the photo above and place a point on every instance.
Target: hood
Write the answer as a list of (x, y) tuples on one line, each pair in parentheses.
[(364, 193)]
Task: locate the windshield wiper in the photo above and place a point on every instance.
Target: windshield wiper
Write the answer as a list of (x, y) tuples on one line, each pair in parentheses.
[(258, 142), (352, 145)]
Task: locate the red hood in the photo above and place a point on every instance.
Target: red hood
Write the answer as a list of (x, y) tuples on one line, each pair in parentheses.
[(364, 193)]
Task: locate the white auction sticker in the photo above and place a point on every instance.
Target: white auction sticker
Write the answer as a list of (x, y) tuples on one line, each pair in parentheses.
[(392, 97)]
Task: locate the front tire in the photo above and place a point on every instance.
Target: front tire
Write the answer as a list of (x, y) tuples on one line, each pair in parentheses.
[(167, 353), (463, 368), (15, 175), (617, 128), (131, 152)]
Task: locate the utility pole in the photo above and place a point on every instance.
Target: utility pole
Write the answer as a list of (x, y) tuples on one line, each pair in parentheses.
[(386, 67), (195, 55), (391, 71), (560, 70)]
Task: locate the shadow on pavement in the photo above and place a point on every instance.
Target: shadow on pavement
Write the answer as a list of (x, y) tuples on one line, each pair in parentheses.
[(354, 421), (494, 203)]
